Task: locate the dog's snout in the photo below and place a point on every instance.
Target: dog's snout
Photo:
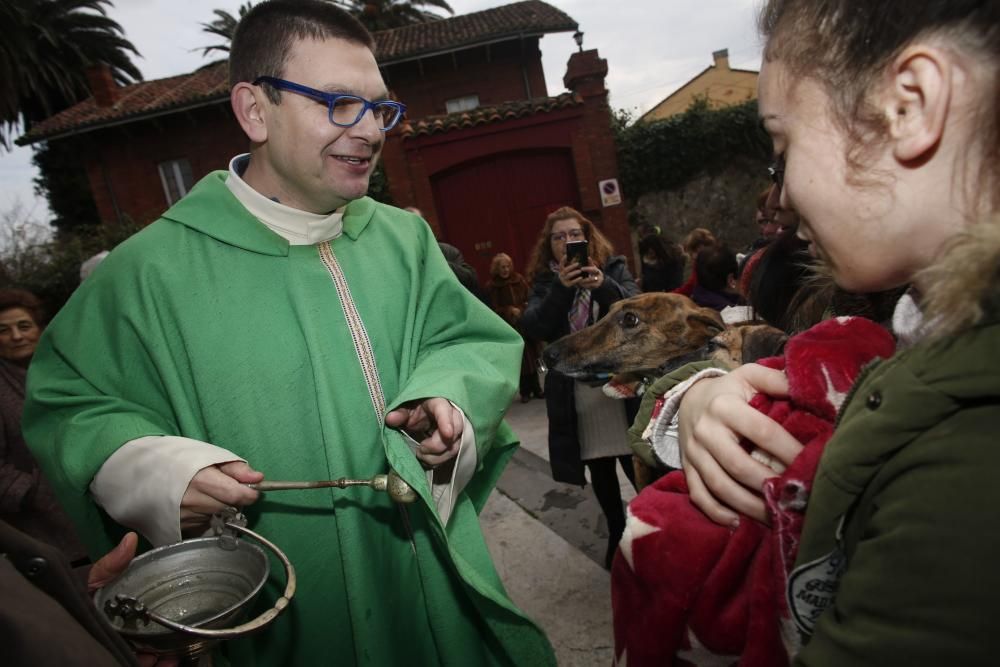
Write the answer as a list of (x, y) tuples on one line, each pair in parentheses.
[(550, 355)]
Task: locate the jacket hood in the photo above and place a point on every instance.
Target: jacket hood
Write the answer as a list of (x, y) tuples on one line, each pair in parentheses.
[(962, 288)]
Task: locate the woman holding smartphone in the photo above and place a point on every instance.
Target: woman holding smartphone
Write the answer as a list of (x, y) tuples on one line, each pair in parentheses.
[(575, 278)]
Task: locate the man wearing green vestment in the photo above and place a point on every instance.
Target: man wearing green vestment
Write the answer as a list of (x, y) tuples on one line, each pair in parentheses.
[(276, 323)]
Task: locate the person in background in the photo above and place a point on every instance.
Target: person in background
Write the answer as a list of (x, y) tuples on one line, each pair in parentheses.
[(696, 240), (27, 501), (766, 218), (586, 428), (464, 271), (508, 294), (49, 617), (886, 129), (716, 270), (276, 321), (662, 264)]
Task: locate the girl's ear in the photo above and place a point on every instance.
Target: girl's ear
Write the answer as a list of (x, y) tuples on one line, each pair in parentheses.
[(249, 111), (918, 101)]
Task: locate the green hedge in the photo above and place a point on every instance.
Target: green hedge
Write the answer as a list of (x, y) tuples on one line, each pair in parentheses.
[(666, 154)]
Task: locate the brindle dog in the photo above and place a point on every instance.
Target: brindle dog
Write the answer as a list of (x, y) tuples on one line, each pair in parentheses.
[(651, 334), (646, 336), (636, 337)]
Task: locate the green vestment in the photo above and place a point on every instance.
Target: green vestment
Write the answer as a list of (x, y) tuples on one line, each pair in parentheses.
[(208, 325)]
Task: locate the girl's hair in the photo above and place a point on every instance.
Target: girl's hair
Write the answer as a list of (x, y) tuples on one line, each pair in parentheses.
[(698, 239), (495, 263), (846, 45), (19, 298), (600, 248), (666, 252)]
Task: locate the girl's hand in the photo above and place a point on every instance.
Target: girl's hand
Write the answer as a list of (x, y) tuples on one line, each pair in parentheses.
[(722, 477)]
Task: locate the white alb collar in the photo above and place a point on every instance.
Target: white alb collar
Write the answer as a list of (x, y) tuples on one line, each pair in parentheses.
[(295, 226)]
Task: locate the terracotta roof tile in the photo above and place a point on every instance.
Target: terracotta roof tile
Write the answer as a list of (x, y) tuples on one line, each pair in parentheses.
[(146, 98), (209, 84), (528, 17), (487, 115)]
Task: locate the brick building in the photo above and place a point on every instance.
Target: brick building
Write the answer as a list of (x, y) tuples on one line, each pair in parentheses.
[(484, 152)]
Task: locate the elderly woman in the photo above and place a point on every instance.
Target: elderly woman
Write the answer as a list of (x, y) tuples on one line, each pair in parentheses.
[(26, 499), (585, 426), (508, 294)]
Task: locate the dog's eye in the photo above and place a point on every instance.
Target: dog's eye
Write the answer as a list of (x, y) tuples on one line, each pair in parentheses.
[(630, 320)]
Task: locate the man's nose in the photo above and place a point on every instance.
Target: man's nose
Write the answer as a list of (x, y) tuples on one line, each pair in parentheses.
[(368, 127), (15, 334)]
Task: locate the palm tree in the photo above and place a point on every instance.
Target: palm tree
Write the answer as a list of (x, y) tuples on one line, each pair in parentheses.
[(374, 14), (387, 14), (224, 26), (47, 46)]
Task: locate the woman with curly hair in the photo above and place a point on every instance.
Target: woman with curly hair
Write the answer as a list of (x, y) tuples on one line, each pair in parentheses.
[(586, 428)]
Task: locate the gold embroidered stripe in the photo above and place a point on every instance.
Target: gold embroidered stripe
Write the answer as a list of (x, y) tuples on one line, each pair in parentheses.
[(362, 345)]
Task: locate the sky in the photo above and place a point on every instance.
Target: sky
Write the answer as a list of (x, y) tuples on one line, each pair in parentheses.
[(652, 48)]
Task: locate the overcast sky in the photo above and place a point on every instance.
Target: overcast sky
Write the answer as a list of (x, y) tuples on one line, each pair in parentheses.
[(652, 48)]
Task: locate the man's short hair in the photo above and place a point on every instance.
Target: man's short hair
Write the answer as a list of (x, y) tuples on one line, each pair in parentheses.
[(265, 36)]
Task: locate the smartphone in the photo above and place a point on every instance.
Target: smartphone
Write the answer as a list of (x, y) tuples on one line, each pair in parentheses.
[(576, 251)]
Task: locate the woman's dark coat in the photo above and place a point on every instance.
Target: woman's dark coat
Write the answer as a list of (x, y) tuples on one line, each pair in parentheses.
[(547, 318)]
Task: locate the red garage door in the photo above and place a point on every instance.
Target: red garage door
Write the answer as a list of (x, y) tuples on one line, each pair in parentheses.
[(498, 204)]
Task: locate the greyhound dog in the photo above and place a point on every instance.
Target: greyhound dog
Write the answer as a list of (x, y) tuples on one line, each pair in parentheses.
[(648, 335), (636, 337)]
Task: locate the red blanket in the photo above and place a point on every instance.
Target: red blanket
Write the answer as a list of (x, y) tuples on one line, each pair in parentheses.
[(685, 590)]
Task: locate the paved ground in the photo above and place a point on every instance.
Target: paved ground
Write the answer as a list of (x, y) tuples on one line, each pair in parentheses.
[(548, 542)]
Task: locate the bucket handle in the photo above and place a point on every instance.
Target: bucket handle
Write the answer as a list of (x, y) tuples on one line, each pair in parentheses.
[(250, 626)]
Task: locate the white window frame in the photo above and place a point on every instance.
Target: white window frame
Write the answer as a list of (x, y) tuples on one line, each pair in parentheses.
[(171, 171), (464, 103)]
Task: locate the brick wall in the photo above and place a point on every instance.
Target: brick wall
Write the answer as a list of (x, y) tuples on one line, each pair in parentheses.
[(122, 163), (496, 73)]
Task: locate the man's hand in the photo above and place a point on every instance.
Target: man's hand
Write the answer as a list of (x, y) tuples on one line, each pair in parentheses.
[(713, 415), (215, 488), (433, 422), (109, 566)]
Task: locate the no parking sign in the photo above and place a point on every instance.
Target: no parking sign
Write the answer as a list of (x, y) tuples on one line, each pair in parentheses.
[(610, 193)]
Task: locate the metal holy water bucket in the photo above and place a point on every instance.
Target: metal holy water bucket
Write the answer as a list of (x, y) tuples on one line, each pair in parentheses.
[(181, 599)]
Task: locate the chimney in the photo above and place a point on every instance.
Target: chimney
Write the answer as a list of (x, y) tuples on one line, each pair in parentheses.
[(102, 84), (721, 58)]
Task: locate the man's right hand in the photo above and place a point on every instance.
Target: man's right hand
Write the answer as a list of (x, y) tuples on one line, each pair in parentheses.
[(214, 488), (713, 415)]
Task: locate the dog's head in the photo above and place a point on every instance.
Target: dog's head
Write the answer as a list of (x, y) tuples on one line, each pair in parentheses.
[(736, 344), (745, 343), (637, 336)]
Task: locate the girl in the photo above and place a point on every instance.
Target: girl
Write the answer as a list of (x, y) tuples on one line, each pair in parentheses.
[(886, 128)]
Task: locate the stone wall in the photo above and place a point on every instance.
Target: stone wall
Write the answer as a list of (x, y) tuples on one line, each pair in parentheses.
[(723, 203)]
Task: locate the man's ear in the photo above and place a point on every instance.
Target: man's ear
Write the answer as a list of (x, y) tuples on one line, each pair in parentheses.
[(249, 111), (918, 101)]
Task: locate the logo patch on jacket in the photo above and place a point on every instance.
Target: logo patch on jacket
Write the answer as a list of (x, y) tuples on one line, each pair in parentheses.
[(812, 587)]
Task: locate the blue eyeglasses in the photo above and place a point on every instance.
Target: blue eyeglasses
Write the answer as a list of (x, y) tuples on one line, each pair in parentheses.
[(344, 110)]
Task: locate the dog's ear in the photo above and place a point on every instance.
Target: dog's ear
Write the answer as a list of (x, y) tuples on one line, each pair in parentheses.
[(707, 320), (762, 341)]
